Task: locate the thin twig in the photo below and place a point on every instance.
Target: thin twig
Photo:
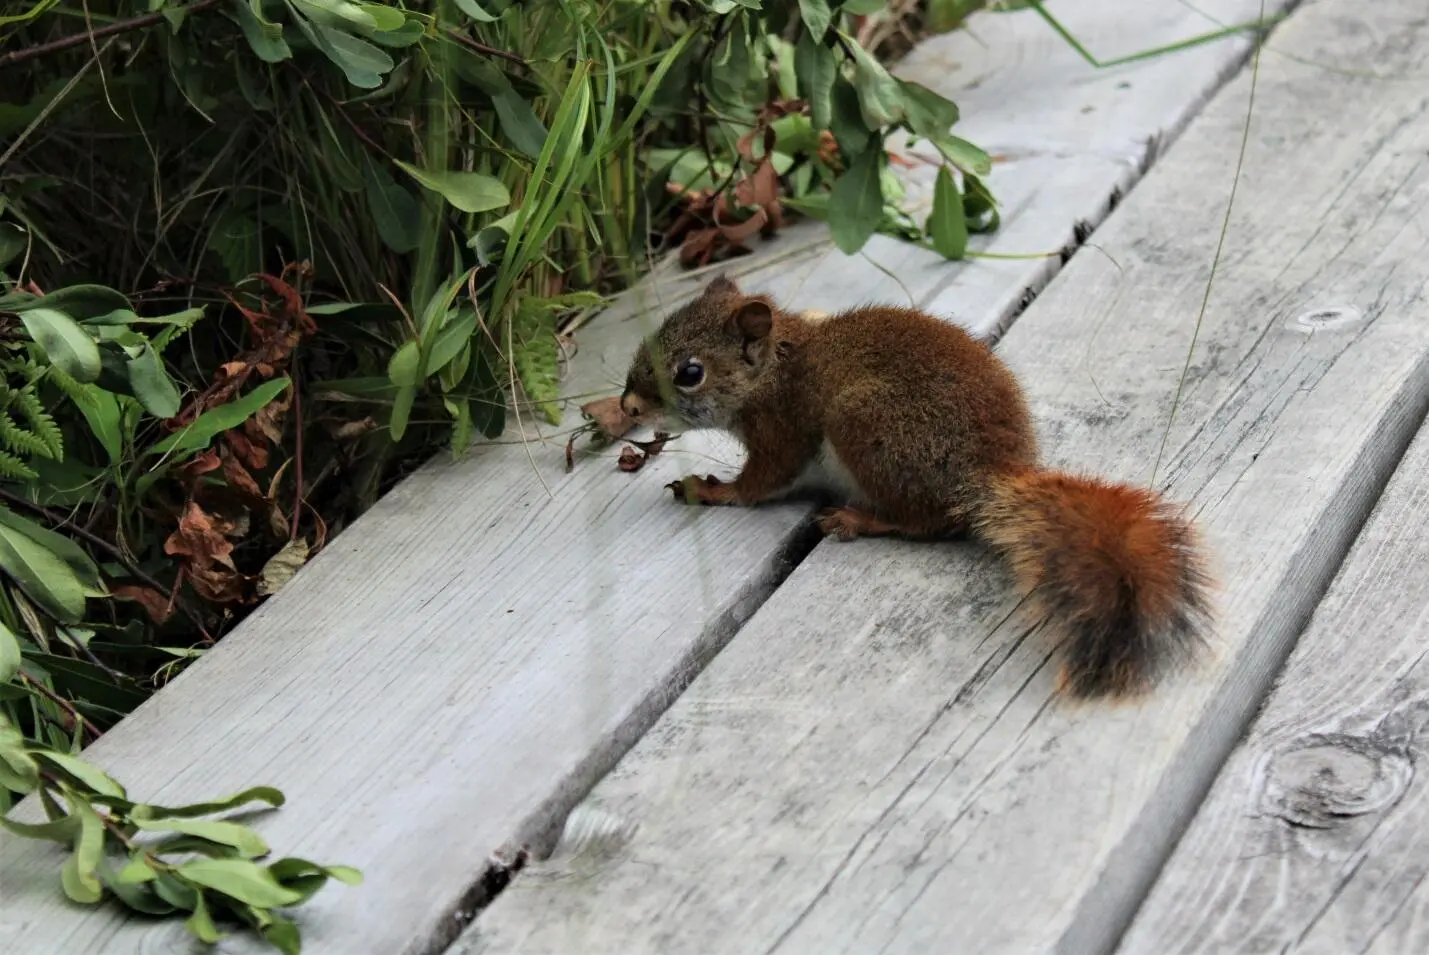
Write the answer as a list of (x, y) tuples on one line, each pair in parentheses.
[(59, 701), (298, 448), (63, 524), (482, 48), (89, 36)]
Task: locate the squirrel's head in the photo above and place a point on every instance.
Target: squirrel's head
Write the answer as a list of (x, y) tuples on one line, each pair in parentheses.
[(705, 359)]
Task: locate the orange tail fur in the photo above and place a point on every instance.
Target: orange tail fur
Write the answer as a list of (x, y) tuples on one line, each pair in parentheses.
[(1113, 568)]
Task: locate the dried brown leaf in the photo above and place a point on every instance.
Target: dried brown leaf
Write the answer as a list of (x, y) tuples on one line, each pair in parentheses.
[(155, 604), (608, 416), (200, 538), (281, 567), (630, 459)]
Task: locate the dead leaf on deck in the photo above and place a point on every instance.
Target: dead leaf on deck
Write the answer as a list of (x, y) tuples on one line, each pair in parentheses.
[(155, 604), (634, 455), (282, 566), (631, 459), (608, 416)]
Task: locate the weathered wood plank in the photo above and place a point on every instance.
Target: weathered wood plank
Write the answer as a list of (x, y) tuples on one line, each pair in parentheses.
[(459, 667), (1315, 837), (877, 762)]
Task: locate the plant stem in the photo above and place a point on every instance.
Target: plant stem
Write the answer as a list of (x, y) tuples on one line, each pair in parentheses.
[(59, 701), (89, 36)]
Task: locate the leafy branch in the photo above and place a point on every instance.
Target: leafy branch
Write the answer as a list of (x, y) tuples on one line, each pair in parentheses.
[(160, 860)]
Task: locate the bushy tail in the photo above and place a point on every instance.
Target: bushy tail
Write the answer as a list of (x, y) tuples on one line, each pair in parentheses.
[(1112, 567)]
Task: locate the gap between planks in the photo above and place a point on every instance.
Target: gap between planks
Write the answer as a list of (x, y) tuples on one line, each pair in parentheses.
[(1315, 838), (458, 668), (876, 762)]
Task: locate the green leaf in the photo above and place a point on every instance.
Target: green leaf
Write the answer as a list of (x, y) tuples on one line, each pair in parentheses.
[(401, 411), (215, 421), (879, 96), (83, 680), (363, 63), (101, 411), (816, 16), (947, 226), (249, 843), (140, 897), (520, 122), (63, 830), (283, 935), (80, 873), (467, 191), (862, 8), (9, 653), (90, 776), (200, 923), (404, 365), (292, 868), (395, 211), (240, 879), (453, 337), (65, 342), (264, 37), (18, 770), (929, 114), (151, 383), (846, 120), (963, 154), (136, 871), (979, 207), (473, 9), (816, 68), (176, 892), (267, 794), (42, 575), (385, 19), (72, 554), (856, 202), (82, 302)]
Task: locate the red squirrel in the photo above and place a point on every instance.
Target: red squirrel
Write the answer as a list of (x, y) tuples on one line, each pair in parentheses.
[(931, 433)]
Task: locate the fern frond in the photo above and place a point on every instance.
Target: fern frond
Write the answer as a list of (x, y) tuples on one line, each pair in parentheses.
[(41, 423), (14, 469)]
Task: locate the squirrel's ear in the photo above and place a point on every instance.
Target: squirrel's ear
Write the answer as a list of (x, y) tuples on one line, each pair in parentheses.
[(722, 285), (754, 319)]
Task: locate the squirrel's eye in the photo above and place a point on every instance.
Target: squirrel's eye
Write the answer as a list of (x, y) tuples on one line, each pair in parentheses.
[(689, 374)]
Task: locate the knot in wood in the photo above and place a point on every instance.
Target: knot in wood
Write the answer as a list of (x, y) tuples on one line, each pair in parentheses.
[(1325, 319), (1322, 780)]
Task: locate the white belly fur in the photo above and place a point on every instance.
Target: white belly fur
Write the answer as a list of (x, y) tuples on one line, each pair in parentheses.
[(826, 475)]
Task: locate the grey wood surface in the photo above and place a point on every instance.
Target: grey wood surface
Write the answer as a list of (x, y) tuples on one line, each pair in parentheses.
[(1315, 837), (877, 762), (458, 668)]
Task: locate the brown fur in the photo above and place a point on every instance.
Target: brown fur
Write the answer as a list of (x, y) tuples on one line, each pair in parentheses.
[(935, 432)]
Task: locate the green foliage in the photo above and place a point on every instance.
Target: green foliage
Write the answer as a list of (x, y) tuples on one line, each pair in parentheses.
[(157, 860)]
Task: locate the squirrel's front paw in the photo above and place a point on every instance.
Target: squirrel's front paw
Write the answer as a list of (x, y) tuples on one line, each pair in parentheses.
[(700, 490)]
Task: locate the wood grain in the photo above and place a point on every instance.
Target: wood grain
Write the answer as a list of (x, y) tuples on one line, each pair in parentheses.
[(457, 669), (877, 762), (1315, 837)]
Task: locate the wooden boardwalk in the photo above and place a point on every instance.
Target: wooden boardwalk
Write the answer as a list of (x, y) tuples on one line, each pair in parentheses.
[(757, 743)]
